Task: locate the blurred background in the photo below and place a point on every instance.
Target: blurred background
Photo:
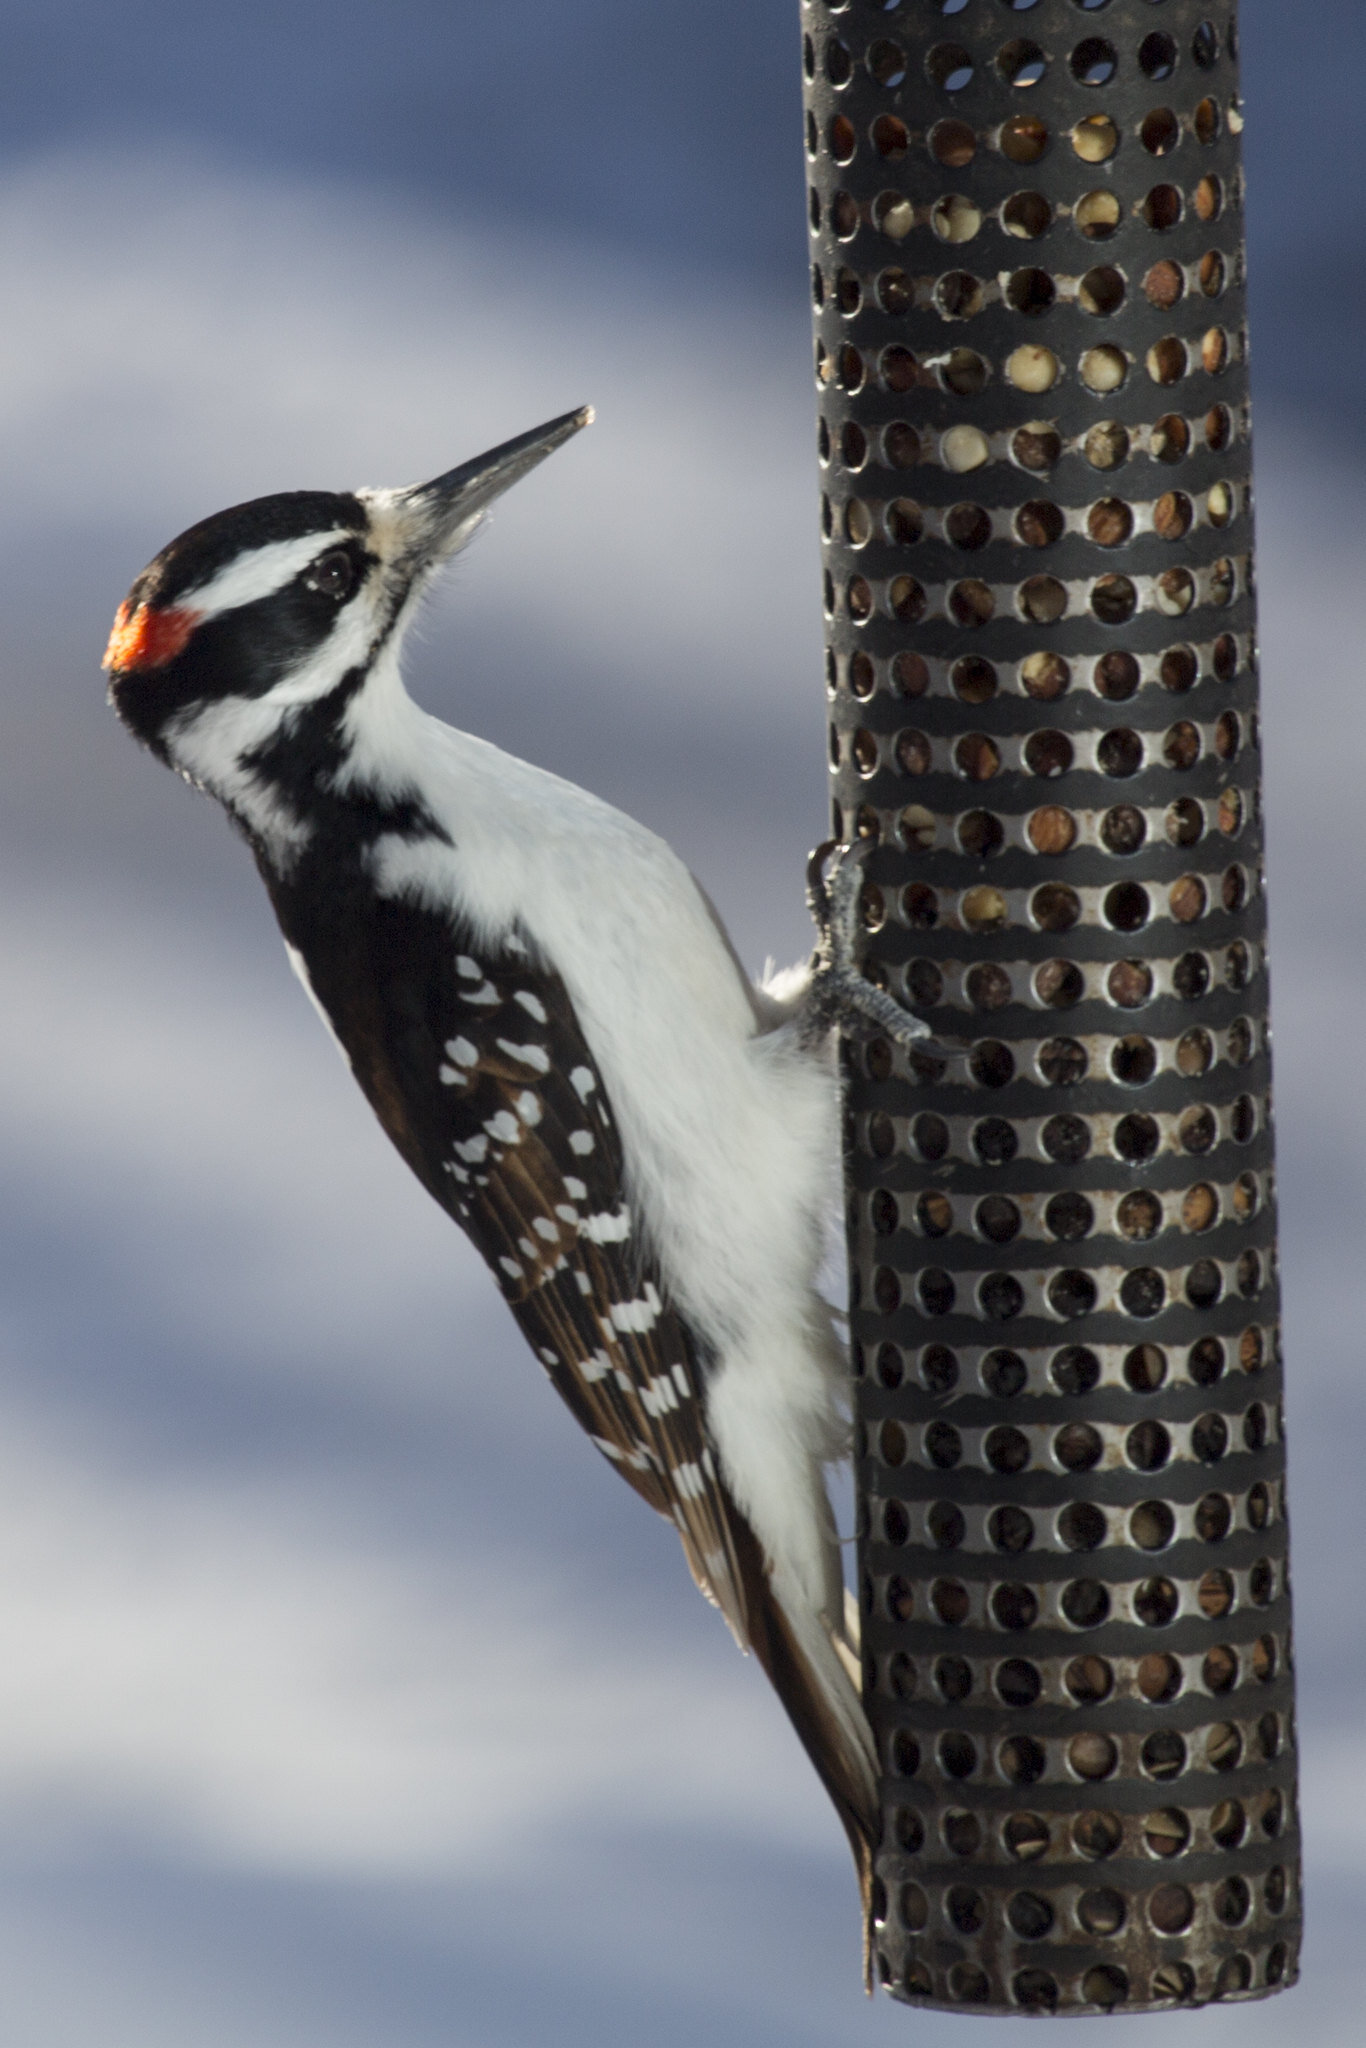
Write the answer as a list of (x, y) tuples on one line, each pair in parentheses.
[(344, 1697)]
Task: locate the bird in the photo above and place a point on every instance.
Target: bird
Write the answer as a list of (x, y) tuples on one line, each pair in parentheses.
[(549, 1020)]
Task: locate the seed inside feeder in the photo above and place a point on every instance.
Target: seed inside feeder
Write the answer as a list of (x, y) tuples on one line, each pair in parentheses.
[(964, 448), (1095, 139), (956, 219), (1032, 368), (1104, 368), (895, 216)]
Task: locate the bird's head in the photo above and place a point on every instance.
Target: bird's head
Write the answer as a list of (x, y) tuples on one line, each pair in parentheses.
[(255, 618)]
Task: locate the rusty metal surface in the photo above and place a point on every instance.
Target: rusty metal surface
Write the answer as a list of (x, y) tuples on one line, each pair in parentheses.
[(1028, 275)]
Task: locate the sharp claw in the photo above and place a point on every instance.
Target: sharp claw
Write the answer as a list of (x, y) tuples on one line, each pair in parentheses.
[(815, 863), (839, 994), (905, 1029), (845, 890), (817, 894), (834, 902), (921, 1043)]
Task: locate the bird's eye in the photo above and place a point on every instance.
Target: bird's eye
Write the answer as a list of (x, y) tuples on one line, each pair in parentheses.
[(332, 575)]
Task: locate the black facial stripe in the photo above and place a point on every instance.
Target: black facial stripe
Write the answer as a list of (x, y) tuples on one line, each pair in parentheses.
[(303, 756), (196, 555), (300, 762), (240, 653), (246, 651)]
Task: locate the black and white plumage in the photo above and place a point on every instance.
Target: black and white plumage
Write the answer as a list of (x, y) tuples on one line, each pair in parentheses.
[(547, 1018)]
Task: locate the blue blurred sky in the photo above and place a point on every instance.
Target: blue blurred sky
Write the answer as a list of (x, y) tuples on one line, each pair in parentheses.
[(344, 1698), (668, 134)]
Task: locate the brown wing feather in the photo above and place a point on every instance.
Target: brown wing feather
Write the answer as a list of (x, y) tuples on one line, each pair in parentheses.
[(595, 1311), (476, 1066), (478, 1070)]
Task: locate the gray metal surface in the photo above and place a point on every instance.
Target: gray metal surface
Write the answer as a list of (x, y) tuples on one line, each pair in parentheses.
[(1028, 275)]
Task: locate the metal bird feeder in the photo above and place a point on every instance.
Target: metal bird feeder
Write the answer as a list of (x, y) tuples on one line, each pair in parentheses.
[(1028, 274)]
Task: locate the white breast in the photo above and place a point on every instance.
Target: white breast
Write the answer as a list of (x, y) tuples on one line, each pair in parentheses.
[(728, 1135)]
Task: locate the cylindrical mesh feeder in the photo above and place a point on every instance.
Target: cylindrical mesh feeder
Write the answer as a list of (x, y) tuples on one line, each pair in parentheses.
[(1034, 436)]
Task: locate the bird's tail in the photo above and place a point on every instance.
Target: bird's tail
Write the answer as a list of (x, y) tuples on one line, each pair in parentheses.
[(812, 1679)]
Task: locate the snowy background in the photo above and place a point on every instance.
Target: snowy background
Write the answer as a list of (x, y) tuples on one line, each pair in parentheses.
[(344, 1698)]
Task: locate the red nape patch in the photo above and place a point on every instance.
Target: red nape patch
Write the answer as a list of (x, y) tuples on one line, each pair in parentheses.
[(146, 638)]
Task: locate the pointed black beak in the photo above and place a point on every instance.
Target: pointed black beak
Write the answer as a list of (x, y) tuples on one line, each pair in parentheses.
[(446, 510)]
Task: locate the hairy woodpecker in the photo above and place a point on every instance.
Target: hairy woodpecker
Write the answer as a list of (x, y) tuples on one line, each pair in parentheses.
[(546, 1015)]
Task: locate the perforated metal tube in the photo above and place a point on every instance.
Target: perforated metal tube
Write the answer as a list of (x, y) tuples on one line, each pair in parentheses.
[(1034, 437)]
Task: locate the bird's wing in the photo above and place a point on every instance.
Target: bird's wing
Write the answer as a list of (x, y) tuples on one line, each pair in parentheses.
[(475, 1063)]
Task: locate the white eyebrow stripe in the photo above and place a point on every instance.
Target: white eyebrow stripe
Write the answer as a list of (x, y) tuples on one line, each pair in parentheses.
[(255, 575)]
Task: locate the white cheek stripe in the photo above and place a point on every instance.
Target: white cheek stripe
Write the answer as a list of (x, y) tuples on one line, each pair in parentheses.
[(256, 575)]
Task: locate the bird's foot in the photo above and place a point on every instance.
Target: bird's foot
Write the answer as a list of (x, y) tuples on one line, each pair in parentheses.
[(838, 996)]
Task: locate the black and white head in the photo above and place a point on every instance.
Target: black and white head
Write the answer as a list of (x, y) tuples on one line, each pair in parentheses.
[(258, 627)]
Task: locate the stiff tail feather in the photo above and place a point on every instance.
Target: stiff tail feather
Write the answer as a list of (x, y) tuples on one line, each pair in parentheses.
[(813, 1683)]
